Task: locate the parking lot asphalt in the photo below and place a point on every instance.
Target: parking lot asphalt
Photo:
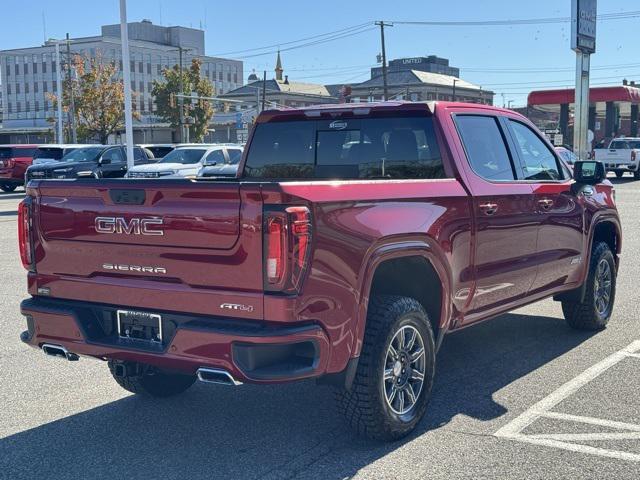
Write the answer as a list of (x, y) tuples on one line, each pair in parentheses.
[(521, 396)]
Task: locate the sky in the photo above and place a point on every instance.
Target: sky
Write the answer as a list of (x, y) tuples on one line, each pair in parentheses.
[(511, 60)]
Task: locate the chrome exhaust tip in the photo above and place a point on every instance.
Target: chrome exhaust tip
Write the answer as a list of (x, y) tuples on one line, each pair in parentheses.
[(217, 375), (58, 351)]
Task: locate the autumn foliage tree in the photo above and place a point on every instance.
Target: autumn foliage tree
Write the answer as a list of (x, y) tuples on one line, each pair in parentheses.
[(98, 98), (169, 110)]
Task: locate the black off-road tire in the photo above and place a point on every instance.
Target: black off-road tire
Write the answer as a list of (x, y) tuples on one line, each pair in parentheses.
[(619, 173), (636, 175), (152, 383), (365, 405), (585, 315), (8, 188)]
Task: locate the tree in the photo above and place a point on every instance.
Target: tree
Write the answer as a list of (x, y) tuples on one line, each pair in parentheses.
[(98, 98), (169, 106)]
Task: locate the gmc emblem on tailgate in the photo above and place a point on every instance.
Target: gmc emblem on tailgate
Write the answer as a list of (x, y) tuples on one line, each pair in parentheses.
[(135, 226)]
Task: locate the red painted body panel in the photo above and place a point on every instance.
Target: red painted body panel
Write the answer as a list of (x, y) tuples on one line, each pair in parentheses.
[(14, 175), (212, 249)]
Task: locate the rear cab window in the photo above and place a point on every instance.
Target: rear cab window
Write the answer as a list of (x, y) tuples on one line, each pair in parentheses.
[(367, 148), (55, 153)]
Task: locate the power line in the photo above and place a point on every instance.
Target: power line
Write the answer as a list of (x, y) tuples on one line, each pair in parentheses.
[(522, 21)]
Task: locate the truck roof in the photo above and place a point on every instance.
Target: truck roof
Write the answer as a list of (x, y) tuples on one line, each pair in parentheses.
[(365, 109)]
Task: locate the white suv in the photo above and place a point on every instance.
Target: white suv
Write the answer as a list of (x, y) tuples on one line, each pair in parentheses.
[(180, 163)]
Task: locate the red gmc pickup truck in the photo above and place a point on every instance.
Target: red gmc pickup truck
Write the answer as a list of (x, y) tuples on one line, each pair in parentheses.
[(354, 238), (14, 161)]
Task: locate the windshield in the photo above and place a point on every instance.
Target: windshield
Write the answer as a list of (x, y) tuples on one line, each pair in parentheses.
[(184, 156), (87, 154), (55, 153)]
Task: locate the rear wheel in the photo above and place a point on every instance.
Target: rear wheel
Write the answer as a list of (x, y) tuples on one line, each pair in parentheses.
[(135, 378), (636, 175), (395, 370), (595, 311), (8, 188)]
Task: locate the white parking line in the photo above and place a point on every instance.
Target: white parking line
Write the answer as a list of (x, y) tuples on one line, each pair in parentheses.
[(513, 430)]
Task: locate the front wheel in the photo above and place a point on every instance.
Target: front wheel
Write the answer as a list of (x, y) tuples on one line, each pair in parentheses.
[(8, 188), (636, 174), (594, 312), (135, 378), (395, 370)]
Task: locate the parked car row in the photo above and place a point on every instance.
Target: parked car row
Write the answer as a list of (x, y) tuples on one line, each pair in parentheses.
[(21, 163)]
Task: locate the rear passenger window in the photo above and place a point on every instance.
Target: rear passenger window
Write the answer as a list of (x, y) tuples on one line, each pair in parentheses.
[(234, 155), (538, 162), (485, 147)]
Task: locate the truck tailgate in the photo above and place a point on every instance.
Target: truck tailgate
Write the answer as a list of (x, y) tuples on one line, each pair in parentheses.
[(153, 244)]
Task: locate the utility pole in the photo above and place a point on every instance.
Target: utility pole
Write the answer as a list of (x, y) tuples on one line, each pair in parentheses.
[(264, 90), (180, 99), (72, 103), (59, 93), (454, 89), (126, 73), (382, 24)]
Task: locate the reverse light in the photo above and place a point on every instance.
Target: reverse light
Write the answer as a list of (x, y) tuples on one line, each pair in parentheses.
[(287, 246), (25, 242)]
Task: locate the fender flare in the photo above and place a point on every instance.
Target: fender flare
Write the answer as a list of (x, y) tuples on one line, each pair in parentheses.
[(388, 249)]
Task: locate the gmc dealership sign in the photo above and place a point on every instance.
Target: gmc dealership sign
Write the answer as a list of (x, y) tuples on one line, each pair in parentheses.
[(583, 25)]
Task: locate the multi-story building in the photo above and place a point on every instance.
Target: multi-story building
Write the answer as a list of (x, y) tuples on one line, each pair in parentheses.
[(418, 79), (29, 74)]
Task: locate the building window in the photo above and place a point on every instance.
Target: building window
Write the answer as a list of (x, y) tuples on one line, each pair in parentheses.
[(44, 87), (8, 89), (35, 68), (26, 69), (53, 66), (235, 78), (141, 90), (9, 109), (132, 65), (133, 85), (26, 88), (44, 67), (150, 103), (149, 68), (17, 69), (140, 67), (27, 107), (35, 87), (54, 85), (149, 87), (36, 106), (17, 88), (219, 76)]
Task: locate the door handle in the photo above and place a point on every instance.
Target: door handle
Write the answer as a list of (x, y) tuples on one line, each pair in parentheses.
[(545, 203), (489, 208)]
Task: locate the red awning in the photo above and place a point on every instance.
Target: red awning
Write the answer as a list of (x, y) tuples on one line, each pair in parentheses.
[(597, 94)]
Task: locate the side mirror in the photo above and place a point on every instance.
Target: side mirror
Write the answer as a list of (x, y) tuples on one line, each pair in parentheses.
[(210, 163), (589, 172), (105, 161)]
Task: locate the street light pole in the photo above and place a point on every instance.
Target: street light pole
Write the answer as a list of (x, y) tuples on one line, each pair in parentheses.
[(59, 93), (126, 73), (382, 24)]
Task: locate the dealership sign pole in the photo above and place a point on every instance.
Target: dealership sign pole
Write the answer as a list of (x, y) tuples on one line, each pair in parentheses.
[(583, 42), (128, 123)]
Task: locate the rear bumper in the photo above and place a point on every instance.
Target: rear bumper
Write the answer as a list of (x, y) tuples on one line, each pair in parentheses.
[(626, 167), (251, 351)]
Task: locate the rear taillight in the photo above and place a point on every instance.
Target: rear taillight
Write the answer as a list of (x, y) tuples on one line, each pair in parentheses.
[(287, 245), (10, 163), (24, 234)]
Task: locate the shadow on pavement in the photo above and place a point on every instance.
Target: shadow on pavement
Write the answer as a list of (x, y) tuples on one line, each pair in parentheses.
[(9, 196), (278, 431), (9, 213)]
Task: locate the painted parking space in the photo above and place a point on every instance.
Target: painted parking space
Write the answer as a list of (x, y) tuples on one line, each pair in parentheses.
[(601, 429)]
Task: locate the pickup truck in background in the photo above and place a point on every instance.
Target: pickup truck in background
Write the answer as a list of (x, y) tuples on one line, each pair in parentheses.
[(623, 155), (354, 238)]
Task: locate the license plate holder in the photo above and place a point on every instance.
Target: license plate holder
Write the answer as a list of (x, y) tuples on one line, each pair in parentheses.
[(140, 326)]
